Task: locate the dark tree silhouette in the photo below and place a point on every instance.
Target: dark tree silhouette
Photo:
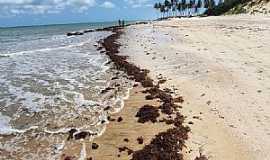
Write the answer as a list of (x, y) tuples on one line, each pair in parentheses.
[(173, 8)]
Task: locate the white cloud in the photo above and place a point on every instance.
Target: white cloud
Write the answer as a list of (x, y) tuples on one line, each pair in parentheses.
[(15, 7), (108, 4), (137, 3)]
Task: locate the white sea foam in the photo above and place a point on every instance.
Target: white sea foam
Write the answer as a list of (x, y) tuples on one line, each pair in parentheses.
[(83, 152), (5, 127), (51, 86)]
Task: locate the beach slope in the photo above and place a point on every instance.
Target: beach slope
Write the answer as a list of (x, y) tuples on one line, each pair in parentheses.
[(221, 66)]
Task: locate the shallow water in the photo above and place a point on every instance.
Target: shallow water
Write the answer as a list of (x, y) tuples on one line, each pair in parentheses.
[(51, 83)]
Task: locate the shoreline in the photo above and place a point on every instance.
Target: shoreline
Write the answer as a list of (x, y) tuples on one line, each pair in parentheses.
[(156, 108), (140, 75)]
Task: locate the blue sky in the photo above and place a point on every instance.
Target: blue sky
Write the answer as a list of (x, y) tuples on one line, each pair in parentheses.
[(36, 12)]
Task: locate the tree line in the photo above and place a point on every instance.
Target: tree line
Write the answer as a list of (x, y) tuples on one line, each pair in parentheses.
[(185, 8)]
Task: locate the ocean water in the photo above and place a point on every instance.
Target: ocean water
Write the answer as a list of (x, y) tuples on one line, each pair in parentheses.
[(51, 83)]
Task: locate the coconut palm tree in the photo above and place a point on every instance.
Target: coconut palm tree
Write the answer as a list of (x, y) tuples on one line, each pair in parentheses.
[(173, 4), (168, 6), (180, 8), (184, 7), (212, 4), (157, 6), (199, 5), (206, 3), (162, 10), (192, 6)]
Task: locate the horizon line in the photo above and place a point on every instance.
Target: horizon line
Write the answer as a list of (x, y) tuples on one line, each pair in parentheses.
[(51, 24)]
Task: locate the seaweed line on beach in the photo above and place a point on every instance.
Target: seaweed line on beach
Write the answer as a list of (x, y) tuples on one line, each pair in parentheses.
[(165, 145)]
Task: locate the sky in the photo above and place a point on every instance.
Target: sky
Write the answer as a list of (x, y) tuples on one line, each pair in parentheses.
[(41, 12)]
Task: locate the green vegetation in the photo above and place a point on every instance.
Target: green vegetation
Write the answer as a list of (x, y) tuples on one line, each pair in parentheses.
[(187, 8), (182, 8), (232, 6)]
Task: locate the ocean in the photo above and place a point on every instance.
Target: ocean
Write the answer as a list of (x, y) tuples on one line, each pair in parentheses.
[(51, 83)]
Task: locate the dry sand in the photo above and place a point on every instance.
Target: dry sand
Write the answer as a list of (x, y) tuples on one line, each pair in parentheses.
[(221, 65)]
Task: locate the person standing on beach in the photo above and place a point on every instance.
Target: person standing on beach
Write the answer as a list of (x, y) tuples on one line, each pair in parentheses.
[(123, 23), (119, 22)]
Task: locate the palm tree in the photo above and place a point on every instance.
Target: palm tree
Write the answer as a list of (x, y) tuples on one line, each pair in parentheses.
[(167, 6), (212, 4), (192, 6), (157, 6), (162, 10), (199, 5), (184, 5), (173, 4), (179, 8), (189, 7), (206, 3)]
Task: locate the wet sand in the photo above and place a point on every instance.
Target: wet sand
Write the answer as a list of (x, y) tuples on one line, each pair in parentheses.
[(129, 128), (149, 127)]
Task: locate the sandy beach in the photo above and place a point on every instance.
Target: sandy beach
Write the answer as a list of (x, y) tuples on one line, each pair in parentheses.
[(202, 88), (135, 80), (220, 65)]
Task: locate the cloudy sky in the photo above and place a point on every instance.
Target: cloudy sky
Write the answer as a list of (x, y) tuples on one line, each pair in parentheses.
[(36, 12)]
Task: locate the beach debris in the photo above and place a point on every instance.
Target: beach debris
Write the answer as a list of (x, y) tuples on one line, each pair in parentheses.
[(190, 122), (107, 108), (74, 134), (106, 90), (147, 113), (81, 135), (120, 119), (140, 140), (167, 121), (168, 90), (136, 85), (95, 146), (88, 30), (123, 149), (165, 146), (74, 33), (196, 117), (201, 157), (121, 63), (149, 97), (69, 158), (111, 119), (162, 81), (70, 133), (178, 99), (158, 93), (167, 108)]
